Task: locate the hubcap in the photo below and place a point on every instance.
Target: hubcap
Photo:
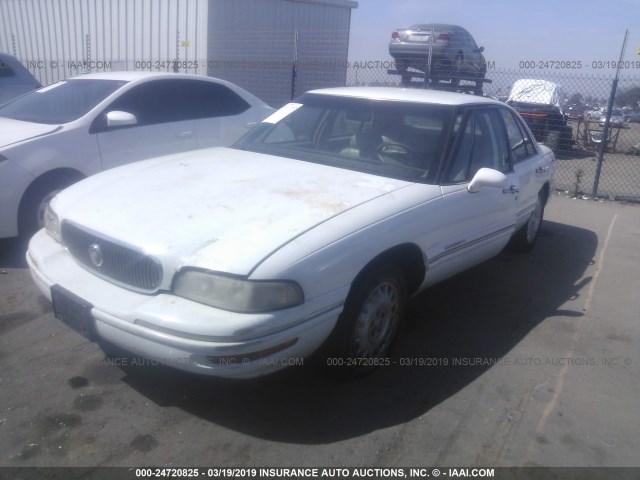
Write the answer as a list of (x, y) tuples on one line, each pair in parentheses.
[(377, 321), (534, 222)]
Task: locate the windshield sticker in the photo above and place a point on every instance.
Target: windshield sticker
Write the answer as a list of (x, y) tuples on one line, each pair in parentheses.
[(285, 111), (50, 87)]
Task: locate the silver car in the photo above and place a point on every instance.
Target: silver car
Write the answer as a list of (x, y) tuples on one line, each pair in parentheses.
[(455, 53), (617, 117)]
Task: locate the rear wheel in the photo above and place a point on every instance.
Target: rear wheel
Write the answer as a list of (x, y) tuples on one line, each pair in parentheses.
[(456, 70), (565, 140), (525, 238), (402, 67), (553, 141)]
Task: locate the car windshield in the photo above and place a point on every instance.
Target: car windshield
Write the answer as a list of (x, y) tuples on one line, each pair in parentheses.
[(390, 138), (61, 102)]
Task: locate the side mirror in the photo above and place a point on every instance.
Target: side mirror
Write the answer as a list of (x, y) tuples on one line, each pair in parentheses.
[(487, 177), (481, 49), (117, 118)]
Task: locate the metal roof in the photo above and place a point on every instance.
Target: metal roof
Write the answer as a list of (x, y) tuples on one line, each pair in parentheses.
[(331, 3)]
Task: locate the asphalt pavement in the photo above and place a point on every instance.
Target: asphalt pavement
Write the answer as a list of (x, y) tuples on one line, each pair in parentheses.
[(525, 360)]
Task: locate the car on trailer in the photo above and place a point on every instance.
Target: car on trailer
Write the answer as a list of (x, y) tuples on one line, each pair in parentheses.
[(441, 52)]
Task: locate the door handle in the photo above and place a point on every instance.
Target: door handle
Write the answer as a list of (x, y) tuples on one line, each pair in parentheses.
[(542, 169), (187, 134), (250, 125), (512, 189)]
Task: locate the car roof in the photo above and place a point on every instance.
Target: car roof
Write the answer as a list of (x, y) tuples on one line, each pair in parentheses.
[(417, 95), (438, 26), (128, 76)]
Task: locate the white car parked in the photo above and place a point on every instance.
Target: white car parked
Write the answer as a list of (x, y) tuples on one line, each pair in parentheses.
[(57, 135), (309, 233)]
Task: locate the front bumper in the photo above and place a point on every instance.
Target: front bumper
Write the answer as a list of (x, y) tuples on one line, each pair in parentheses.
[(181, 333)]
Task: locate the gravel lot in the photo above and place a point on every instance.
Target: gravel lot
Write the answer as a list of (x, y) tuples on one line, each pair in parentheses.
[(524, 360), (620, 175)]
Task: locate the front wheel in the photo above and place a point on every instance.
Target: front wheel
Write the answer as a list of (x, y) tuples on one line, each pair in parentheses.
[(525, 238), (35, 202), (367, 327)]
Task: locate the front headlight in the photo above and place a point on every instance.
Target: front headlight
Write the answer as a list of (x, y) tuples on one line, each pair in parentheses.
[(237, 294), (52, 224)]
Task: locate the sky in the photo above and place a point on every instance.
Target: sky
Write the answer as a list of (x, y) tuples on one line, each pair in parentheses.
[(509, 31)]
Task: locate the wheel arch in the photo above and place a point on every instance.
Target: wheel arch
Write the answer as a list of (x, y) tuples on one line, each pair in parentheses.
[(408, 257), (51, 176), (545, 191), (58, 175)]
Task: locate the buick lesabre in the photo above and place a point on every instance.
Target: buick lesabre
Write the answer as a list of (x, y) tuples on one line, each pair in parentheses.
[(309, 235)]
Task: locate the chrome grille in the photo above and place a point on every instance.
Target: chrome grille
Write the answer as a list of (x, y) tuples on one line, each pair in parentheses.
[(111, 260)]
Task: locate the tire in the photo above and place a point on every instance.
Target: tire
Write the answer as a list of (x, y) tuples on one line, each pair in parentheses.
[(456, 70), (35, 201), (525, 238), (402, 68), (565, 140), (367, 327), (553, 141)]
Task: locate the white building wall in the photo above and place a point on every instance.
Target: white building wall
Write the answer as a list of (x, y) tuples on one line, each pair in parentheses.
[(258, 43), (253, 43), (58, 39)]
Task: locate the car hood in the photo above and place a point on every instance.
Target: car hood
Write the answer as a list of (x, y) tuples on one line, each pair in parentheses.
[(14, 131), (220, 209)]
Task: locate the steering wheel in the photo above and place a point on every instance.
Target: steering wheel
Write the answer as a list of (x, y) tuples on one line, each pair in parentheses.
[(401, 155)]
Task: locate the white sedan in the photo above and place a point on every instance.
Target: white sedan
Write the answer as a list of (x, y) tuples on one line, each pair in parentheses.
[(57, 135), (308, 235)]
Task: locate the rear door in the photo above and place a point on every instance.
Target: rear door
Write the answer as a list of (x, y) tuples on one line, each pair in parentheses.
[(220, 116), (530, 167)]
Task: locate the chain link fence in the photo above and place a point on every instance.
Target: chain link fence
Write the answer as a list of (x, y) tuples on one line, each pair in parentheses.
[(574, 130), (565, 111), (564, 103)]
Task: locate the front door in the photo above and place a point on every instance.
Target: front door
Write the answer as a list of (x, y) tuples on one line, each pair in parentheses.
[(160, 129)]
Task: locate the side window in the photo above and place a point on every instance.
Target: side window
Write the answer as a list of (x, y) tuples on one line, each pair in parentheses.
[(152, 102), (521, 146), (203, 99), (471, 42), (481, 144), (528, 141)]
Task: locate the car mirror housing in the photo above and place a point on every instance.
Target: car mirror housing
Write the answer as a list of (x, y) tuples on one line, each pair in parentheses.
[(487, 177), (481, 49), (117, 118)]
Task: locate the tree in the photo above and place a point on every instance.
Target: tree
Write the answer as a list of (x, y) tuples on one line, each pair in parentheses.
[(576, 99)]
